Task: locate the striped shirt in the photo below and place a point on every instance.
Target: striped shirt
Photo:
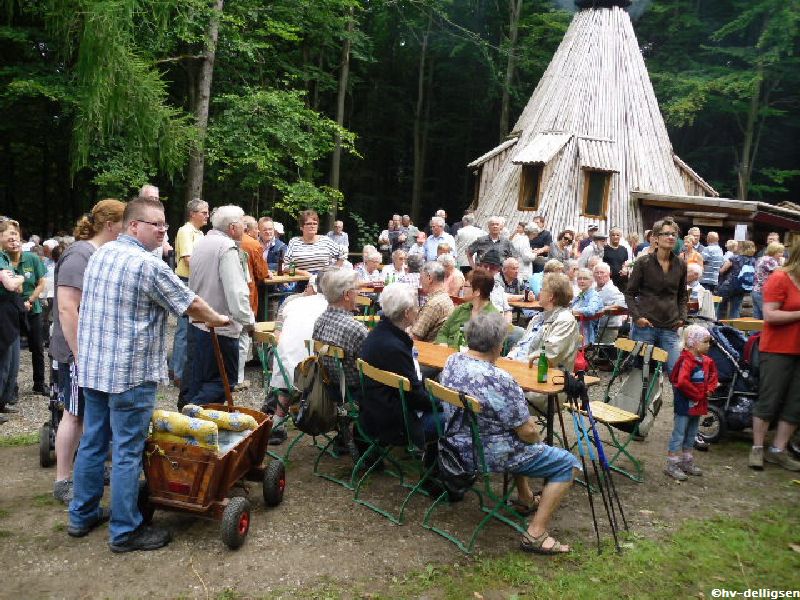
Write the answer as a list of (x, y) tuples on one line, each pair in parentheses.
[(127, 293), (712, 262), (312, 257)]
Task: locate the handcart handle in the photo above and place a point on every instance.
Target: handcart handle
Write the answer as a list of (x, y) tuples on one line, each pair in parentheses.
[(221, 367)]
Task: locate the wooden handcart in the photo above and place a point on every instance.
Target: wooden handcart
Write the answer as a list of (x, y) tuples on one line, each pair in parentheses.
[(201, 481)]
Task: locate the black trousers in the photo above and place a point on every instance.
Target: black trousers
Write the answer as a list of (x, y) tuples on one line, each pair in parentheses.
[(36, 347), (205, 384)]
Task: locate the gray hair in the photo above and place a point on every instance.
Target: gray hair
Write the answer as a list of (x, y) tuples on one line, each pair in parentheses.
[(148, 191), (415, 263), (601, 266), (553, 265), (468, 220), (373, 256), (585, 272), (496, 219), (570, 264), (441, 213), (446, 260), (195, 205), (434, 269), (398, 252), (510, 261), (224, 216), (437, 220), (396, 299), (250, 223), (337, 284), (486, 332)]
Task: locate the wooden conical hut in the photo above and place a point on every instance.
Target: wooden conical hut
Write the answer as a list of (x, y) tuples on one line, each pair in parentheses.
[(591, 134)]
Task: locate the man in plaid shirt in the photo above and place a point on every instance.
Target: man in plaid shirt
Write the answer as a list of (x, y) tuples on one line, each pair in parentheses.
[(127, 293)]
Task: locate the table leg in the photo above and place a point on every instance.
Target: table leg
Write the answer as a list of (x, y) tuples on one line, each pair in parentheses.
[(552, 399)]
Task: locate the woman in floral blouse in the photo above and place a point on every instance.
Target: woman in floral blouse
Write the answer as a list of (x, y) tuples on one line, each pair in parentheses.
[(510, 436), (764, 268)]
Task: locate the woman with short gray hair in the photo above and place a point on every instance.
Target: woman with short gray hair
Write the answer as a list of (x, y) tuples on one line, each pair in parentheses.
[(509, 434), (388, 347)]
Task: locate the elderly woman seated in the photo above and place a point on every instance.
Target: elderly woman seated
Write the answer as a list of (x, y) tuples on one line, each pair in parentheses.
[(453, 277), (551, 266), (399, 267), (388, 347), (554, 329), (509, 434), (370, 271), (451, 333), (587, 305)]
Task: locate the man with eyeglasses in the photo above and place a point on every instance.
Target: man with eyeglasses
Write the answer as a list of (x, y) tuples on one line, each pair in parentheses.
[(656, 294), (127, 293)]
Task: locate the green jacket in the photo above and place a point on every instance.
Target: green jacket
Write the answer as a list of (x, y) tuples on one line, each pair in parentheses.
[(451, 329), (31, 267)]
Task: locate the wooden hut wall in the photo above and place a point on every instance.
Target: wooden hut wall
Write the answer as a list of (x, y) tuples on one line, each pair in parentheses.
[(596, 87)]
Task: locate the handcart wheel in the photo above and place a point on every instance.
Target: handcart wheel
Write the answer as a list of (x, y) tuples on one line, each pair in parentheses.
[(235, 522), (274, 483), (712, 426), (45, 454), (145, 506)]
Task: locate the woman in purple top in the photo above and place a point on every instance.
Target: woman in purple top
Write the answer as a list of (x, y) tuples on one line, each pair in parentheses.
[(764, 268)]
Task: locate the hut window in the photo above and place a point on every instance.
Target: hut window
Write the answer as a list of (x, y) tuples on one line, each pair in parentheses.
[(596, 189), (530, 187)]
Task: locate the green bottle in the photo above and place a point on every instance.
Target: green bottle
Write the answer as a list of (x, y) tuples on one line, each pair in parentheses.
[(541, 369), (460, 340)]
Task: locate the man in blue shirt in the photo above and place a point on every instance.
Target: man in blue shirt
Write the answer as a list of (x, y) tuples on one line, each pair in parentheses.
[(438, 236)]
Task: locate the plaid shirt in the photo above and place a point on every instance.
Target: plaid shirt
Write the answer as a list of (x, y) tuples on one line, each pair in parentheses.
[(126, 295), (432, 316), (338, 327)]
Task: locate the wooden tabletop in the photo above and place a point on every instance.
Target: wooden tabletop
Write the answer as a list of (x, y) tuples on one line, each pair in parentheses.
[(532, 305), (745, 324), (278, 279), (264, 331), (435, 356)]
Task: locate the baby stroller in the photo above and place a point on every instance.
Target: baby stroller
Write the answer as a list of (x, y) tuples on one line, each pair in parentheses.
[(47, 433), (731, 406)]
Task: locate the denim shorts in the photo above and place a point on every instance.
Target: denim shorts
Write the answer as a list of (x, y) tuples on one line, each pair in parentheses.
[(553, 464)]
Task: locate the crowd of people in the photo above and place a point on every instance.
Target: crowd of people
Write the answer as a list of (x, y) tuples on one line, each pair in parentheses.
[(108, 290)]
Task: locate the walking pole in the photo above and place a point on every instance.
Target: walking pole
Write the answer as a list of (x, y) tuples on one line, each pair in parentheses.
[(607, 471), (581, 452)]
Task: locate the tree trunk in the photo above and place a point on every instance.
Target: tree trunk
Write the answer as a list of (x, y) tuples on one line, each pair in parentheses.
[(194, 177), (514, 10), (344, 74), (419, 145), (745, 167)]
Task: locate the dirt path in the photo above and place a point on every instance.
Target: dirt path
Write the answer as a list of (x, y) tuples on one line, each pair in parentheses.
[(319, 534)]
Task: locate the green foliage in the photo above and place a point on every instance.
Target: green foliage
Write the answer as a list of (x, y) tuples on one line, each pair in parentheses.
[(22, 439), (367, 232)]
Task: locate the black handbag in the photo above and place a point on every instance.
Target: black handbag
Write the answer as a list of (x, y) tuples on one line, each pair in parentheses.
[(453, 471)]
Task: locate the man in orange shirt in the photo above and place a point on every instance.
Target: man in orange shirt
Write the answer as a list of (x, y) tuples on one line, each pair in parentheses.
[(258, 271)]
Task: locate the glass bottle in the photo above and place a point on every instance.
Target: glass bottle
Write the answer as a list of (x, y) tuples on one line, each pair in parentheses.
[(541, 368)]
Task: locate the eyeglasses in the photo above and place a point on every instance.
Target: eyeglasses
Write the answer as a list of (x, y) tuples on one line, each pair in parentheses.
[(310, 223), (160, 226), (567, 239)]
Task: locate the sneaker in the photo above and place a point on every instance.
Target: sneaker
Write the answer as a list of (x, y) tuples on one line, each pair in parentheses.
[(756, 460), (75, 531), (688, 467), (277, 437), (673, 469), (62, 491), (782, 459), (145, 537)]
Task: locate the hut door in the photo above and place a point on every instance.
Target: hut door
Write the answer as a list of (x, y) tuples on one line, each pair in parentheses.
[(530, 186), (596, 188)]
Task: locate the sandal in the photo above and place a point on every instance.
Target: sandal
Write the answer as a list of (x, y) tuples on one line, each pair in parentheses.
[(536, 545), (523, 508)]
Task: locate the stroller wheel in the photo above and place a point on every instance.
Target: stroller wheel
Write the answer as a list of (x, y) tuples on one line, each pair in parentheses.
[(712, 426), (45, 451)]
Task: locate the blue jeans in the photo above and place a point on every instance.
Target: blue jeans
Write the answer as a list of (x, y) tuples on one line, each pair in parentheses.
[(758, 305), (122, 419), (730, 308), (179, 347), (666, 339), (683, 433), (205, 384), (9, 368)]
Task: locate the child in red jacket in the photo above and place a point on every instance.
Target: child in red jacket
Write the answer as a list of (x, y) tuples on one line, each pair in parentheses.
[(694, 378)]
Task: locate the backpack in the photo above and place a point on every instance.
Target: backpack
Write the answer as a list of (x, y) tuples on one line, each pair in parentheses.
[(317, 407), (452, 470), (743, 281)]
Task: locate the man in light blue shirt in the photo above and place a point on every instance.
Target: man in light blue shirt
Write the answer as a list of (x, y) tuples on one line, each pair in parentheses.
[(438, 236), (712, 262)]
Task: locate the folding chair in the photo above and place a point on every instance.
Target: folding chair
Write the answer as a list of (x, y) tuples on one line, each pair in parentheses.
[(632, 405), (267, 349), (493, 504), (347, 409), (365, 305), (377, 451), (603, 349)]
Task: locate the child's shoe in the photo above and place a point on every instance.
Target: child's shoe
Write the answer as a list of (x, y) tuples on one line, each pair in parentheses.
[(674, 470), (688, 467)]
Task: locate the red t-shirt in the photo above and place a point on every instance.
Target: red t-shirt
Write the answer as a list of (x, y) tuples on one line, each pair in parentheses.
[(781, 339)]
